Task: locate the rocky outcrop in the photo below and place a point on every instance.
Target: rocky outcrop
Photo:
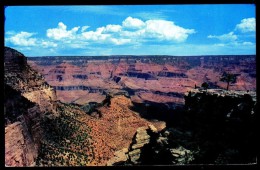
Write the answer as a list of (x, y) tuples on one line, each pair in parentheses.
[(221, 104), (120, 157), (30, 83), (153, 147), (133, 153), (27, 99), (14, 61), (141, 138)]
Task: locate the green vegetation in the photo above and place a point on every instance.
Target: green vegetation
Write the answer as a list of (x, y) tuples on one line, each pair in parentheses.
[(67, 141)]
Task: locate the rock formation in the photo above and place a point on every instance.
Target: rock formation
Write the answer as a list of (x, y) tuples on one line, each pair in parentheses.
[(141, 138), (27, 99), (161, 79)]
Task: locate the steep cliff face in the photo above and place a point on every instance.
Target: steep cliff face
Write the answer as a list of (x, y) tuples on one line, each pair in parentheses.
[(22, 133), (27, 98), (20, 76)]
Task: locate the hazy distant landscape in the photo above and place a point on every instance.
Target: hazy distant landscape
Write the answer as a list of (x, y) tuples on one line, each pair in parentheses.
[(130, 85)]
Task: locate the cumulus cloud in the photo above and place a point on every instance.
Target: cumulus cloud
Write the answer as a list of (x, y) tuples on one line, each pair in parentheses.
[(113, 28), (151, 30), (23, 39), (96, 35), (246, 25), (61, 32), (225, 37), (166, 30), (133, 34), (133, 23), (132, 31), (160, 30)]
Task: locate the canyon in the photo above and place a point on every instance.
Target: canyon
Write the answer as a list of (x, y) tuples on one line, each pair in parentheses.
[(128, 110), (146, 79), (42, 131)]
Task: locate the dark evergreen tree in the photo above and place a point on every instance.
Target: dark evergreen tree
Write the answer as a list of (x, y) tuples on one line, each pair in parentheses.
[(205, 85), (229, 78)]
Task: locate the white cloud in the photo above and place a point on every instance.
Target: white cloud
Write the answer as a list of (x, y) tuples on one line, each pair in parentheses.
[(225, 37), (47, 44), (155, 30), (133, 34), (23, 39), (132, 31), (246, 25), (113, 28), (96, 35), (133, 23), (166, 30), (61, 32)]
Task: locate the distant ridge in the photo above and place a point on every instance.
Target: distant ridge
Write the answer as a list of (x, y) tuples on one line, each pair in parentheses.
[(145, 55)]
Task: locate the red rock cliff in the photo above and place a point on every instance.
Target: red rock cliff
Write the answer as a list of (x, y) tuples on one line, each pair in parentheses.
[(27, 98)]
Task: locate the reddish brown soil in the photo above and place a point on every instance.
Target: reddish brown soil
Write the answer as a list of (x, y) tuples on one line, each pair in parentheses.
[(115, 129)]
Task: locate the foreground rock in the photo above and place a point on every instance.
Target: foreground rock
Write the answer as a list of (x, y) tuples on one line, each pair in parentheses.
[(27, 99), (153, 147), (20, 149), (141, 138)]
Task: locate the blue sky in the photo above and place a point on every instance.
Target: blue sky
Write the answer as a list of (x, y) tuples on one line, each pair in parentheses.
[(131, 29)]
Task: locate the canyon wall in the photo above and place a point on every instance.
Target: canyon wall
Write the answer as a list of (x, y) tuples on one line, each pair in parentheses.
[(158, 79), (27, 98)]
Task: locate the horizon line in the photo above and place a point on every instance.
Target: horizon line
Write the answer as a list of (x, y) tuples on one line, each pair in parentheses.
[(144, 55)]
